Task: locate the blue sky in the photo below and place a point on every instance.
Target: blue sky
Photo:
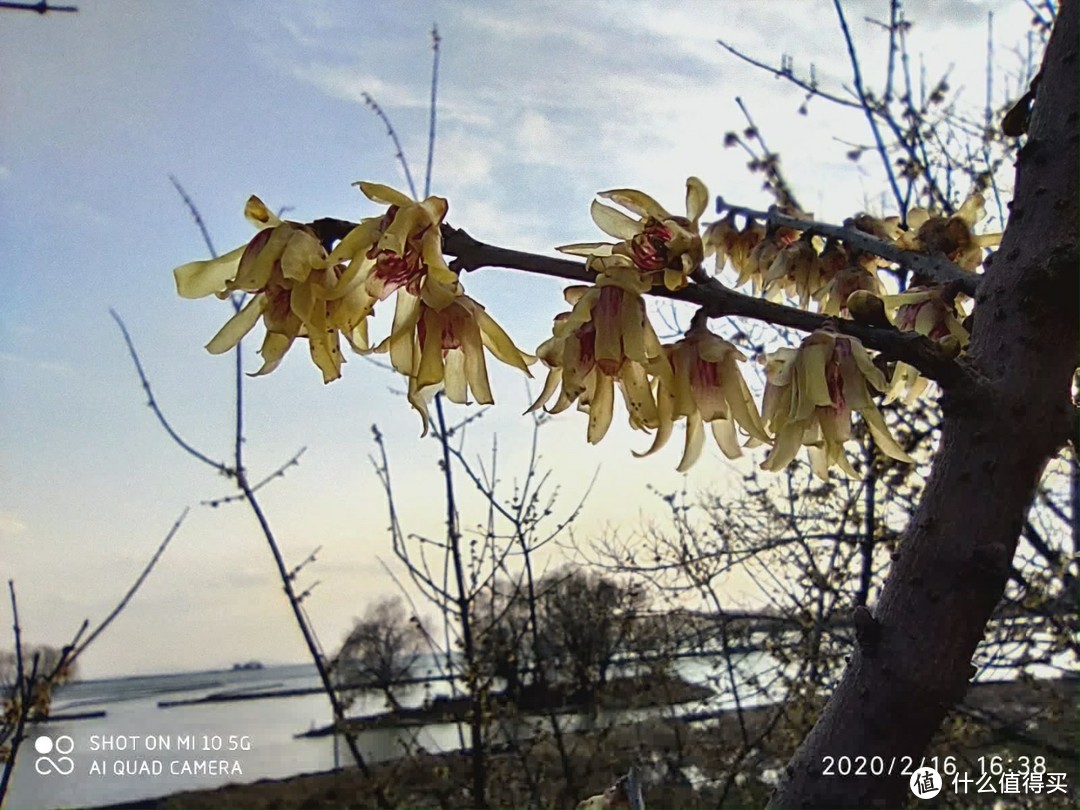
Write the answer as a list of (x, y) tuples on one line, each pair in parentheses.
[(541, 105)]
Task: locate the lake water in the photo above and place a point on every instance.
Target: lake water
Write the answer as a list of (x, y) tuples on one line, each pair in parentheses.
[(140, 750)]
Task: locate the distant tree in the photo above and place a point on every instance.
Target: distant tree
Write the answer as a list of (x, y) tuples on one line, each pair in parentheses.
[(504, 637), (380, 650), (587, 621), (48, 661)]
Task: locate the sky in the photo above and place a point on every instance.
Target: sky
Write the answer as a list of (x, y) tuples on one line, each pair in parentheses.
[(541, 105)]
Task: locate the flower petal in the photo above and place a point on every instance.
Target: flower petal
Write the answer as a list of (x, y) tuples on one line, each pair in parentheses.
[(637, 201), (614, 222), (697, 199), (202, 278), (376, 192), (600, 407), (695, 441), (237, 326)]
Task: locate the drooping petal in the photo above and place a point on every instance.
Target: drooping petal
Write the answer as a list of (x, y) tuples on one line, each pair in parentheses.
[(811, 387), (303, 253), (727, 439), (882, 437), (638, 396), (457, 377), (695, 441), (237, 326), (600, 408), (326, 353), (785, 448), (665, 422), (741, 401), (500, 344), (475, 363), (551, 384), (431, 368), (274, 347), (401, 340)]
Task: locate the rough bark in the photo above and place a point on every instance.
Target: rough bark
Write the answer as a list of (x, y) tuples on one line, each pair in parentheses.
[(997, 436)]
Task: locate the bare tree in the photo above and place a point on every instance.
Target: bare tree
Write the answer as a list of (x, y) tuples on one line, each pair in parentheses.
[(380, 650)]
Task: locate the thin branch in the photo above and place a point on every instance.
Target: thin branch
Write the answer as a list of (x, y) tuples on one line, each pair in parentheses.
[(373, 105), (720, 301), (864, 103), (435, 40), (935, 268), (194, 214), (123, 603), (41, 7), (278, 473), (221, 467), (784, 73)]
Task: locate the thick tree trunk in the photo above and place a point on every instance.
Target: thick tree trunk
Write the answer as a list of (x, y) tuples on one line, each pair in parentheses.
[(996, 439)]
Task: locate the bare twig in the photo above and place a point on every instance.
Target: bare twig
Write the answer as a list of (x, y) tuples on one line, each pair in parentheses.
[(435, 40), (868, 107), (195, 214), (278, 473), (221, 467), (41, 7), (373, 105), (123, 603)]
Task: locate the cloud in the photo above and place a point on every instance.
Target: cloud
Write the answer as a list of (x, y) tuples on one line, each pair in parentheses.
[(538, 140), (11, 525), (38, 363), (5, 172)]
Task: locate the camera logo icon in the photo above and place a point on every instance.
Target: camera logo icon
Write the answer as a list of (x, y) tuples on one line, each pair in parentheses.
[(61, 763)]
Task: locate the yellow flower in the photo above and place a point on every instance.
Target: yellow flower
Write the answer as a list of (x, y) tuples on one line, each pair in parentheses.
[(733, 245), (400, 251), (445, 351), (796, 271), (930, 311), (810, 394), (657, 242), (298, 293), (833, 296), (954, 236), (606, 338), (708, 388)]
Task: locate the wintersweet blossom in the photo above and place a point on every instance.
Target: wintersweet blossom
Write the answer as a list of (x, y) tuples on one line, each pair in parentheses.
[(954, 236), (708, 388), (810, 394), (930, 311), (796, 271), (298, 292), (833, 296), (445, 352), (657, 242), (605, 339), (400, 251), (733, 245)]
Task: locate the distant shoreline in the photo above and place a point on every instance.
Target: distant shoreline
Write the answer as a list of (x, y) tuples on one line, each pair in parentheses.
[(347, 788)]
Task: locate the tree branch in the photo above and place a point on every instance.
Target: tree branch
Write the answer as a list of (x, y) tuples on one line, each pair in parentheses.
[(720, 301)]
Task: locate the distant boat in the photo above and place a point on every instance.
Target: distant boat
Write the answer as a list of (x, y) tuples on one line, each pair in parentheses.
[(247, 665)]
